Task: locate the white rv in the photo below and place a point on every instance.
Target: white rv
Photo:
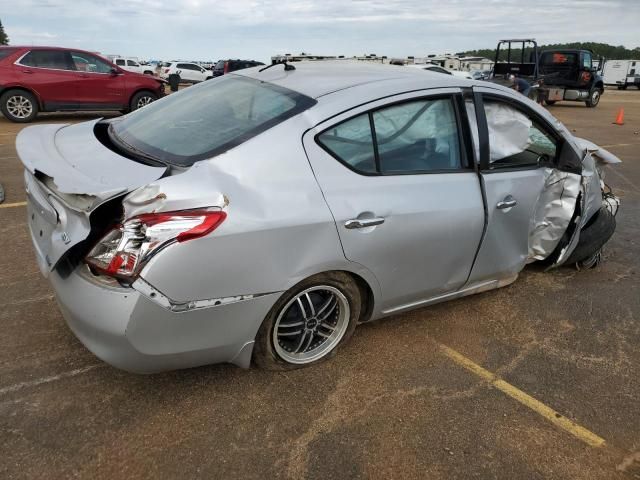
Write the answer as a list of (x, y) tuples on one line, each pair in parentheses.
[(622, 73)]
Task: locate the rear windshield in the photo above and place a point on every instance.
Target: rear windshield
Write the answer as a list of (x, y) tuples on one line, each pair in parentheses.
[(557, 58), (5, 52), (207, 119)]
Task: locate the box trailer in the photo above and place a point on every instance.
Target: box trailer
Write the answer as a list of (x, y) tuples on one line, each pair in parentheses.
[(622, 73)]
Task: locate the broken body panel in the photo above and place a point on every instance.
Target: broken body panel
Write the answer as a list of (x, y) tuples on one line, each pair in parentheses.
[(279, 230)]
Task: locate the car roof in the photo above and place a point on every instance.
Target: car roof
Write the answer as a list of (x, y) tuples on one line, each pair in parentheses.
[(320, 78), (47, 47)]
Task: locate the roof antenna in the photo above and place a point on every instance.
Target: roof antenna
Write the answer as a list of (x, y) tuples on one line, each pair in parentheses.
[(287, 67)]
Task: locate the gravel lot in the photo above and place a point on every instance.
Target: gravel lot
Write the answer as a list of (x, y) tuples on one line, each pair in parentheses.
[(395, 403)]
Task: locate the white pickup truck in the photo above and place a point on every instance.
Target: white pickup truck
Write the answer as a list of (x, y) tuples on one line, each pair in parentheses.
[(132, 65)]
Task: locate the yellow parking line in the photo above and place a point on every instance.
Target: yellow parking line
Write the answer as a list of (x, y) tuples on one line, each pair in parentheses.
[(540, 408), (12, 205), (620, 145)]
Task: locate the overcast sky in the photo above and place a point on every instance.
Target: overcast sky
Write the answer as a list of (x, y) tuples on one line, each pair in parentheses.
[(213, 29)]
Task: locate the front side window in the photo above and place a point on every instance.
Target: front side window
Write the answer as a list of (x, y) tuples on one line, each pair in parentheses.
[(516, 139), (85, 62), (412, 137), (54, 59), (131, 63), (208, 119)]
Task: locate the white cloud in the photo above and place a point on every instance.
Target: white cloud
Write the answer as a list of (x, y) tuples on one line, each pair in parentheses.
[(211, 29)]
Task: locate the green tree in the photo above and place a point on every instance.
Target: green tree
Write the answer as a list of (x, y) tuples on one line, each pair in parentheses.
[(4, 40), (610, 52)]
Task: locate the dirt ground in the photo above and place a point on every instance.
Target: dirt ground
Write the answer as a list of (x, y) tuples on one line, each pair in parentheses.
[(394, 403)]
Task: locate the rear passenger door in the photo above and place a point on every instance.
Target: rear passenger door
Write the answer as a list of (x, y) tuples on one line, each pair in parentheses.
[(51, 74), (398, 178)]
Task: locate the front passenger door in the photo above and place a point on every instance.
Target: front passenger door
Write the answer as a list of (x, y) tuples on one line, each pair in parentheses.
[(517, 151), (97, 85)]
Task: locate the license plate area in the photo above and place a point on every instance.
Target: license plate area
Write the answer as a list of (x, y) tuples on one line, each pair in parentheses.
[(556, 94), (42, 219)]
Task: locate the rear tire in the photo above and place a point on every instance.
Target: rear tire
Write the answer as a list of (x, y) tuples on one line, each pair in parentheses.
[(308, 323), (19, 106), (550, 102), (142, 99), (594, 98)]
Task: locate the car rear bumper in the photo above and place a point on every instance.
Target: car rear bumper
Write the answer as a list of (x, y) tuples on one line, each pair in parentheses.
[(129, 331)]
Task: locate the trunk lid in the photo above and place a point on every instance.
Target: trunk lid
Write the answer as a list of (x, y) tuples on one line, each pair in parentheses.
[(68, 175)]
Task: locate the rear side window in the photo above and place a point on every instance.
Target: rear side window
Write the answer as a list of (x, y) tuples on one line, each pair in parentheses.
[(5, 52), (557, 58), (120, 62), (55, 59), (412, 137), (352, 142), (208, 119), (188, 66)]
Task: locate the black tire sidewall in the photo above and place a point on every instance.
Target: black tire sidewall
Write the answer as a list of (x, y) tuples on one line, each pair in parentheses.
[(264, 354), (32, 98), (134, 101), (589, 102)]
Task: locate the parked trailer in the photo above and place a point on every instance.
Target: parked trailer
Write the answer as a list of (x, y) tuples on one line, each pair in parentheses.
[(622, 73)]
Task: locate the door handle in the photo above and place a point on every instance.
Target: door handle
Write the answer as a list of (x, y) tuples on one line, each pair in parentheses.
[(363, 222), (27, 71), (507, 202)]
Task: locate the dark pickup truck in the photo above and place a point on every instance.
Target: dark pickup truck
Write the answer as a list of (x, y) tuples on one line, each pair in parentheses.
[(556, 75)]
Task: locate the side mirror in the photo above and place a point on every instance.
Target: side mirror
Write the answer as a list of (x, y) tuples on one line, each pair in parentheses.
[(114, 71)]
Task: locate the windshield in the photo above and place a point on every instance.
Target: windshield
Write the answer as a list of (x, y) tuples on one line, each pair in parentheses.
[(207, 119)]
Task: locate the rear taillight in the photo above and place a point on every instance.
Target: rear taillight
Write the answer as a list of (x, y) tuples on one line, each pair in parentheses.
[(126, 248), (226, 67)]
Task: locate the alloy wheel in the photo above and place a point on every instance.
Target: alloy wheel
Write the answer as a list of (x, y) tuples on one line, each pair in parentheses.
[(144, 101), (311, 324), (19, 106)]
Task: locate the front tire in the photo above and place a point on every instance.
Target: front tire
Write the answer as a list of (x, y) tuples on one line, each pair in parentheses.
[(19, 106), (142, 99), (308, 323), (550, 102)]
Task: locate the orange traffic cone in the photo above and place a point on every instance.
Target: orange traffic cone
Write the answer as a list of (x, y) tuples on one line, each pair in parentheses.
[(620, 117)]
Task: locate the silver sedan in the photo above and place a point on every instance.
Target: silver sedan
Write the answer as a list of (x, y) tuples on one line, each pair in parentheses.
[(259, 217)]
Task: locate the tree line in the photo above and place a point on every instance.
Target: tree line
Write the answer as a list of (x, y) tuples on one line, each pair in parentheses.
[(610, 52)]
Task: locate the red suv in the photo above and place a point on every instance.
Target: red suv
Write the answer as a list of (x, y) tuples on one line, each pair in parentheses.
[(50, 79)]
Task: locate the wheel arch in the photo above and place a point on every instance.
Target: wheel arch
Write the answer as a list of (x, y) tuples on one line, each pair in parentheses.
[(140, 90), (364, 280), (6, 88)]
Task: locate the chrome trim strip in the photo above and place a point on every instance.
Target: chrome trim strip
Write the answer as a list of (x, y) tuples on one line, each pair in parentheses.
[(17, 62)]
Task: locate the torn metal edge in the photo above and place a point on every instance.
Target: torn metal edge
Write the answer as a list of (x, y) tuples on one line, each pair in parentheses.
[(156, 296)]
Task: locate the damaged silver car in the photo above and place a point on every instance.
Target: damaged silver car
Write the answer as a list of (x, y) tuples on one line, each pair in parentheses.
[(259, 217)]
